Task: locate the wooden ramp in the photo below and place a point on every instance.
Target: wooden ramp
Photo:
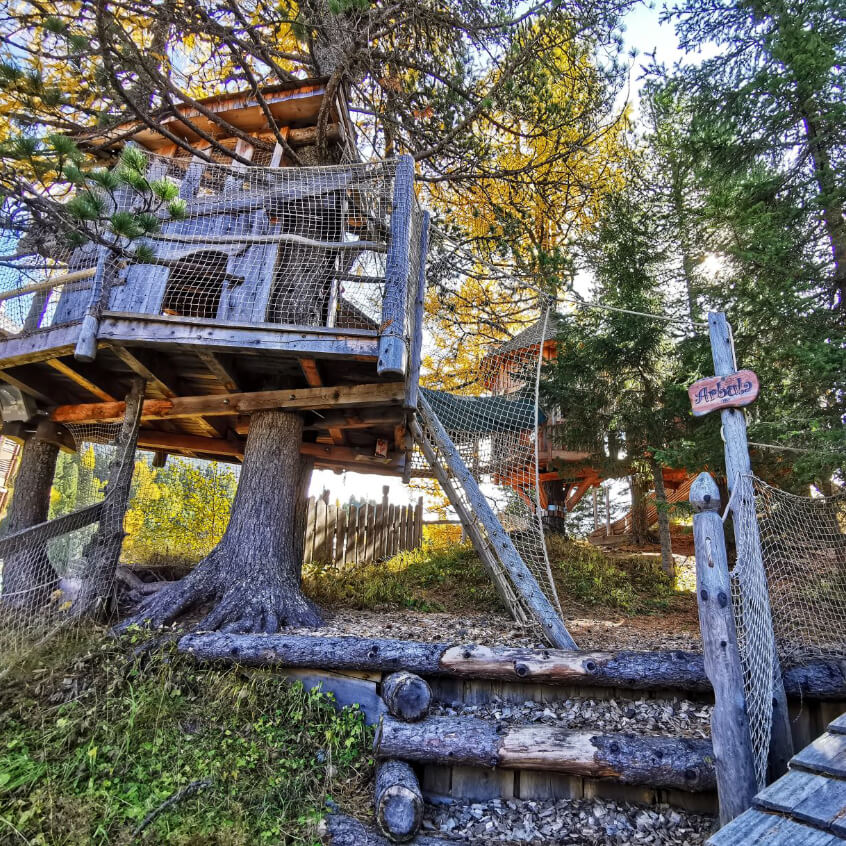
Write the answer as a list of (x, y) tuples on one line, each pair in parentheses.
[(807, 806)]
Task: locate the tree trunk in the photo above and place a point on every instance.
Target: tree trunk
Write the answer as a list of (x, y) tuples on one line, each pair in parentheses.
[(667, 562), (639, 526), (252, 577), (28, 578)]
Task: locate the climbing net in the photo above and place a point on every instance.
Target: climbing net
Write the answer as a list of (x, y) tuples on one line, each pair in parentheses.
[(788, 590), (492, 417), (46, 571)]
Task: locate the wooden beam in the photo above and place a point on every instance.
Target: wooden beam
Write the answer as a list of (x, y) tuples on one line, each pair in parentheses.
[(348, 456), (300, 399), (39, 346), (311, 372), (178, 442), (140, 368), (79, 379), (25, 388), (219, 370)]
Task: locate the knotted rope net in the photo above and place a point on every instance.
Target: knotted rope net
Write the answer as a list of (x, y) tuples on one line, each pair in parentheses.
[(492, 417), (788, 590), (48, 577)]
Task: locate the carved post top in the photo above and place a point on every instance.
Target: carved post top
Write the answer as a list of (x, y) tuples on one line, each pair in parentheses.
[(704, 494)]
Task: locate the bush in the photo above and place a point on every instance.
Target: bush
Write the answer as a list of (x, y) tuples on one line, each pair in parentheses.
[(91, 746)]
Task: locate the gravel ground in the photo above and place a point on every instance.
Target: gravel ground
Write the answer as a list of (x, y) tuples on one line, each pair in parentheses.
[(672, 631), (583, 821), (671, 717)]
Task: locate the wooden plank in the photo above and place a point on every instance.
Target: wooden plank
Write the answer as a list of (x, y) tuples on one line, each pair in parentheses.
[(243, 403), (256, 339), (825, 807), (757, 827), (345, 690), (478, 785), (219, 370), (826, 755), (737, 782), (536, 785), (311, 372), (370, 553), (311, 516), (178, 442), (789, 791), (39, 346), (341, 537), (50, 528), (79, 379), (838, 725)]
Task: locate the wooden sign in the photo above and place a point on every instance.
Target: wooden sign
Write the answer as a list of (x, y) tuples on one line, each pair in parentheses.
[(715, 392)]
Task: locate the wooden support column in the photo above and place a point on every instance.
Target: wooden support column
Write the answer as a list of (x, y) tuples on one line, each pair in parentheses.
[(393, 354), (735, 762), (416, 331), (738, 469), (104, 550)]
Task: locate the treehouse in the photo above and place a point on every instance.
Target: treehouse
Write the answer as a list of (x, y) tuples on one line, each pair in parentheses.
[(272, 287), (564, 475)]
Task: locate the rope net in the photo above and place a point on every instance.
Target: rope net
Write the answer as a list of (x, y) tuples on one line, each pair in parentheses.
[(788, 591), (215, 241), (491, 415), (47, 572)]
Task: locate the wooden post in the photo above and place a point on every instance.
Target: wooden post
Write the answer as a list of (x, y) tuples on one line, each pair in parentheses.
[(607, 512), (595, 510), (738, 466), (735, 761), (416, 331), (393, 354), (86, 345), (418, 523)]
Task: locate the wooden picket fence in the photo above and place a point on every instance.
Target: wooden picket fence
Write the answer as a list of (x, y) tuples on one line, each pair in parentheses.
[(344, 534)]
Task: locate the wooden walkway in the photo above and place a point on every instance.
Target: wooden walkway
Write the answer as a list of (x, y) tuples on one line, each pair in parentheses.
[(807, 806)]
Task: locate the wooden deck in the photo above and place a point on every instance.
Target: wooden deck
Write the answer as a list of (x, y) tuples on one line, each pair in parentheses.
[(807, 806), (217, 372)]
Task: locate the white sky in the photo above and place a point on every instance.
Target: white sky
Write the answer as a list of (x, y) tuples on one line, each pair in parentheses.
[(644, 33)]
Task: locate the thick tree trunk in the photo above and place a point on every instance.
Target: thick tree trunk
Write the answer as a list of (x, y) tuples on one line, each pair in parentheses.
[(28, 578), (667, 562), (252, 577)]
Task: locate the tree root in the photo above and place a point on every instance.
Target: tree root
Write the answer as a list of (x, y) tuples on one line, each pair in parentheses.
[(256, 601)]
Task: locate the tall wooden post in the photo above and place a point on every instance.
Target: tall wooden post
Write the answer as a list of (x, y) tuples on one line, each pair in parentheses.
[(607, 512), (734, 759), (739, 466), (595, 510)]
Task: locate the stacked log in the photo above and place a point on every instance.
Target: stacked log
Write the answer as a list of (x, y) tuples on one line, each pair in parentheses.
[(340, 830), (633, 670), (406, 696)]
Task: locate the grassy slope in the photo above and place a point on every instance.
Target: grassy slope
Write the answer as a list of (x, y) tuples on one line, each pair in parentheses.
[(92, 744), (446, 576)]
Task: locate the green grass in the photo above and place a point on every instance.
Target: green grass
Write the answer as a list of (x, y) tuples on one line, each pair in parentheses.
[(91, 745), (444, 576)]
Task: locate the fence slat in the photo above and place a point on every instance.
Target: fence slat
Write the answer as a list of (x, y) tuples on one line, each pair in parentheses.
[(341, 536)]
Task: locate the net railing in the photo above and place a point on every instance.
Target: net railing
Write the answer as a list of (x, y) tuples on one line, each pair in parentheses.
[(46, 571), (492, 416), (788, 590), (218, 242)]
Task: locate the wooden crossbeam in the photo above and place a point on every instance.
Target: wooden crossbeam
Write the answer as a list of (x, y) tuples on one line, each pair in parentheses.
[(311, 372), (79, 379), (140, 368), (299, 399), (218, 369)]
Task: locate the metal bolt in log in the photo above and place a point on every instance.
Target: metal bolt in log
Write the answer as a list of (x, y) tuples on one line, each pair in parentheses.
[(406, 696), (397, 801), (735, 763)]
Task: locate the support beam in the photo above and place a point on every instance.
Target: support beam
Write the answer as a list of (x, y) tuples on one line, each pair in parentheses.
[(25, 388), (218, 369), (79, 379), (311, 372), (142, 369), (300, 399)]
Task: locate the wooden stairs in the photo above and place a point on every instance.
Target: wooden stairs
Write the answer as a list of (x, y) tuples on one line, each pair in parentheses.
[(430, 748)]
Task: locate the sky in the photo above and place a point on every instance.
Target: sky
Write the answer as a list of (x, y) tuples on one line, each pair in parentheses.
[(643, 32)]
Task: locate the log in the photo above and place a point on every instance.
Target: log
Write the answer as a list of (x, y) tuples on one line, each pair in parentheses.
[(735, 760), (660, 762), (341, 830), (407, 696), (397, 801), (633, 670)]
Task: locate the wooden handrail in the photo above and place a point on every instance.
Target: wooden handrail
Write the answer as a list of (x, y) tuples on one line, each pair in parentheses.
[(54, 282)]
